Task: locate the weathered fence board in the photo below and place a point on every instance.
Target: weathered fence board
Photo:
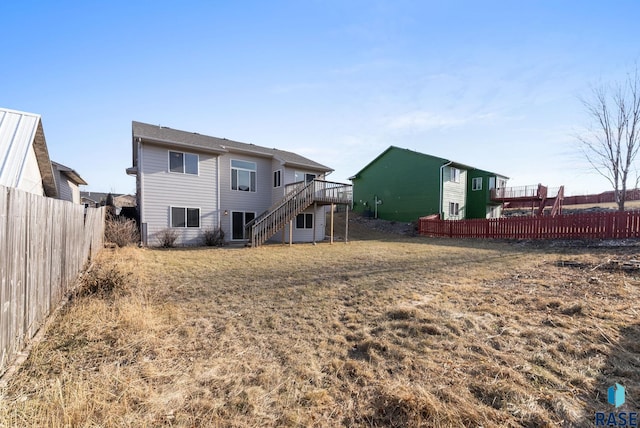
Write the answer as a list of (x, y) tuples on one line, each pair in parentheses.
[(44, 245), (611, 225)]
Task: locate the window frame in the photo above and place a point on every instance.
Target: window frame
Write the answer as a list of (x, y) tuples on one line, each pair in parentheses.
[(184, 163), (474, 186), (277, 178), (253, 175), (186, 217), (454, 209), (454, 174), (307, 222), (244, 222), (306, 176)]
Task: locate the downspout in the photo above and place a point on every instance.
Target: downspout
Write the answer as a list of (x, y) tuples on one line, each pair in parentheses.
[(143, 229), (218, 191), (441, 213)]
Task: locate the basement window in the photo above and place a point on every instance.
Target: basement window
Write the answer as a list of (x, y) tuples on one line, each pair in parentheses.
[(185, 217), (454, 209), (304, 221)]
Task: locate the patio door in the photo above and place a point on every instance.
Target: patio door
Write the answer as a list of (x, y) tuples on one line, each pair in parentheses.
[(238, 220)]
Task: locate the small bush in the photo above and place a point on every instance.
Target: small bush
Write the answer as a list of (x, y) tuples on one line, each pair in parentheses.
[(103, 279), (167, 238), (213, 237), (121, 231)]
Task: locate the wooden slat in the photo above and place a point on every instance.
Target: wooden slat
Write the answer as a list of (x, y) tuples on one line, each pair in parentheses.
[(44, 244), (613, 225)]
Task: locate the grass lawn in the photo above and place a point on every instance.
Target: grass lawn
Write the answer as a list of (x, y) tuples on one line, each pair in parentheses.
[(383, 331)]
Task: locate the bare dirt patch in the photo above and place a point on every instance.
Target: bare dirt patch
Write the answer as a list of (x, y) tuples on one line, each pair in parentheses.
[(389, 330)]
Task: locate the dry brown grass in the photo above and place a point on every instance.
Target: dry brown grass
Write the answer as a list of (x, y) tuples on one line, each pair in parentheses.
[(388, 331)]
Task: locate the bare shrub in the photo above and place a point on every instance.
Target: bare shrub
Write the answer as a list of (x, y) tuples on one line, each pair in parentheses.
[(121, 231), (213, 237), (103, 279), (167, 238)]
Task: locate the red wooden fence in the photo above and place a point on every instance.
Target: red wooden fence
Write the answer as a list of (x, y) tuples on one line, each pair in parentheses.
[(611, 225)]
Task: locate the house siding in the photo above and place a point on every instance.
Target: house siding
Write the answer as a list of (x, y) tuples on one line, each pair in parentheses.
[(277, 193), (479, 204), (306, 235), (30, 179), (454, 192), (163, 190), (234, 200), (65, 190), (407, 182)]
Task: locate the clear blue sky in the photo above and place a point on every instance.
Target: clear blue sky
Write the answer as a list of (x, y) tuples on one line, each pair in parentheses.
[(493, 84)]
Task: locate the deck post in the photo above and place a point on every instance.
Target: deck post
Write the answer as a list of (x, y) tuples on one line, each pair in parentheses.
[(332, 209), (290, 232), (346, 223), (315, 211)]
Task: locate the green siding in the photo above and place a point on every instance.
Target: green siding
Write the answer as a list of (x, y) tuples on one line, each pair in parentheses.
[(407, 182), (478, 200)]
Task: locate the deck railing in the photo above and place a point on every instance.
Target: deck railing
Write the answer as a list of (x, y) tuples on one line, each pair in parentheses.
[(533, 191), (298, 197)]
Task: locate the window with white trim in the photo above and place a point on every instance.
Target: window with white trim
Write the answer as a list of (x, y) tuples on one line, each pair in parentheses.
[(454, 209), (277, 178), (304, 221), (455, 175), (239, 219), (476, 183), (185, 217), (243, 175), (303, 176), (183, 163)]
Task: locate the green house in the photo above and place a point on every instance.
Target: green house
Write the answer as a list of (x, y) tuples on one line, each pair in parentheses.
[(404, 185)]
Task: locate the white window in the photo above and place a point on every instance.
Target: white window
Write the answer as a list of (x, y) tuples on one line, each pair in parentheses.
[(454, 209), (303, 176), (455, 175), (492, 183), (277, 178), (476, 183), (183, 163), (243, 175), (502, 183), (304, 221), (185, 217)]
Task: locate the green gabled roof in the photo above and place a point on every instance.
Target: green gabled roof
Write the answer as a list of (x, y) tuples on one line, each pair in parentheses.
[(413, 152)]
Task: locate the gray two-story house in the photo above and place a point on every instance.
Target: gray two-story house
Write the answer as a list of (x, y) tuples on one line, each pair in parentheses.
[(190, 183)]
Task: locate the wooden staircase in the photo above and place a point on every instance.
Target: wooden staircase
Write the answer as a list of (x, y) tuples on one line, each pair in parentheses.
[(298, 197)]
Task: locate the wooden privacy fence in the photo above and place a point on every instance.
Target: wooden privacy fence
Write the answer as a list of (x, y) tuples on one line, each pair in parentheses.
[(611, 225), (44, 245)]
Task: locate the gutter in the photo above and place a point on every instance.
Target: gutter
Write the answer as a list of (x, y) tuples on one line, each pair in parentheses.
[(440, 213)]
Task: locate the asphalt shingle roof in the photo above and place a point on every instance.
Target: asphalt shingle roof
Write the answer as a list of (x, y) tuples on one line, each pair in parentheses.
[(162, 134)]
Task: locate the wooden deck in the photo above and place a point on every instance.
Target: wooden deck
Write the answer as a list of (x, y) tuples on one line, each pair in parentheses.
[(298, 197)]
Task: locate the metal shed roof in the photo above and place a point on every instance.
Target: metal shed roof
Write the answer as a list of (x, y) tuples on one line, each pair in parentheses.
[(18, 132)]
